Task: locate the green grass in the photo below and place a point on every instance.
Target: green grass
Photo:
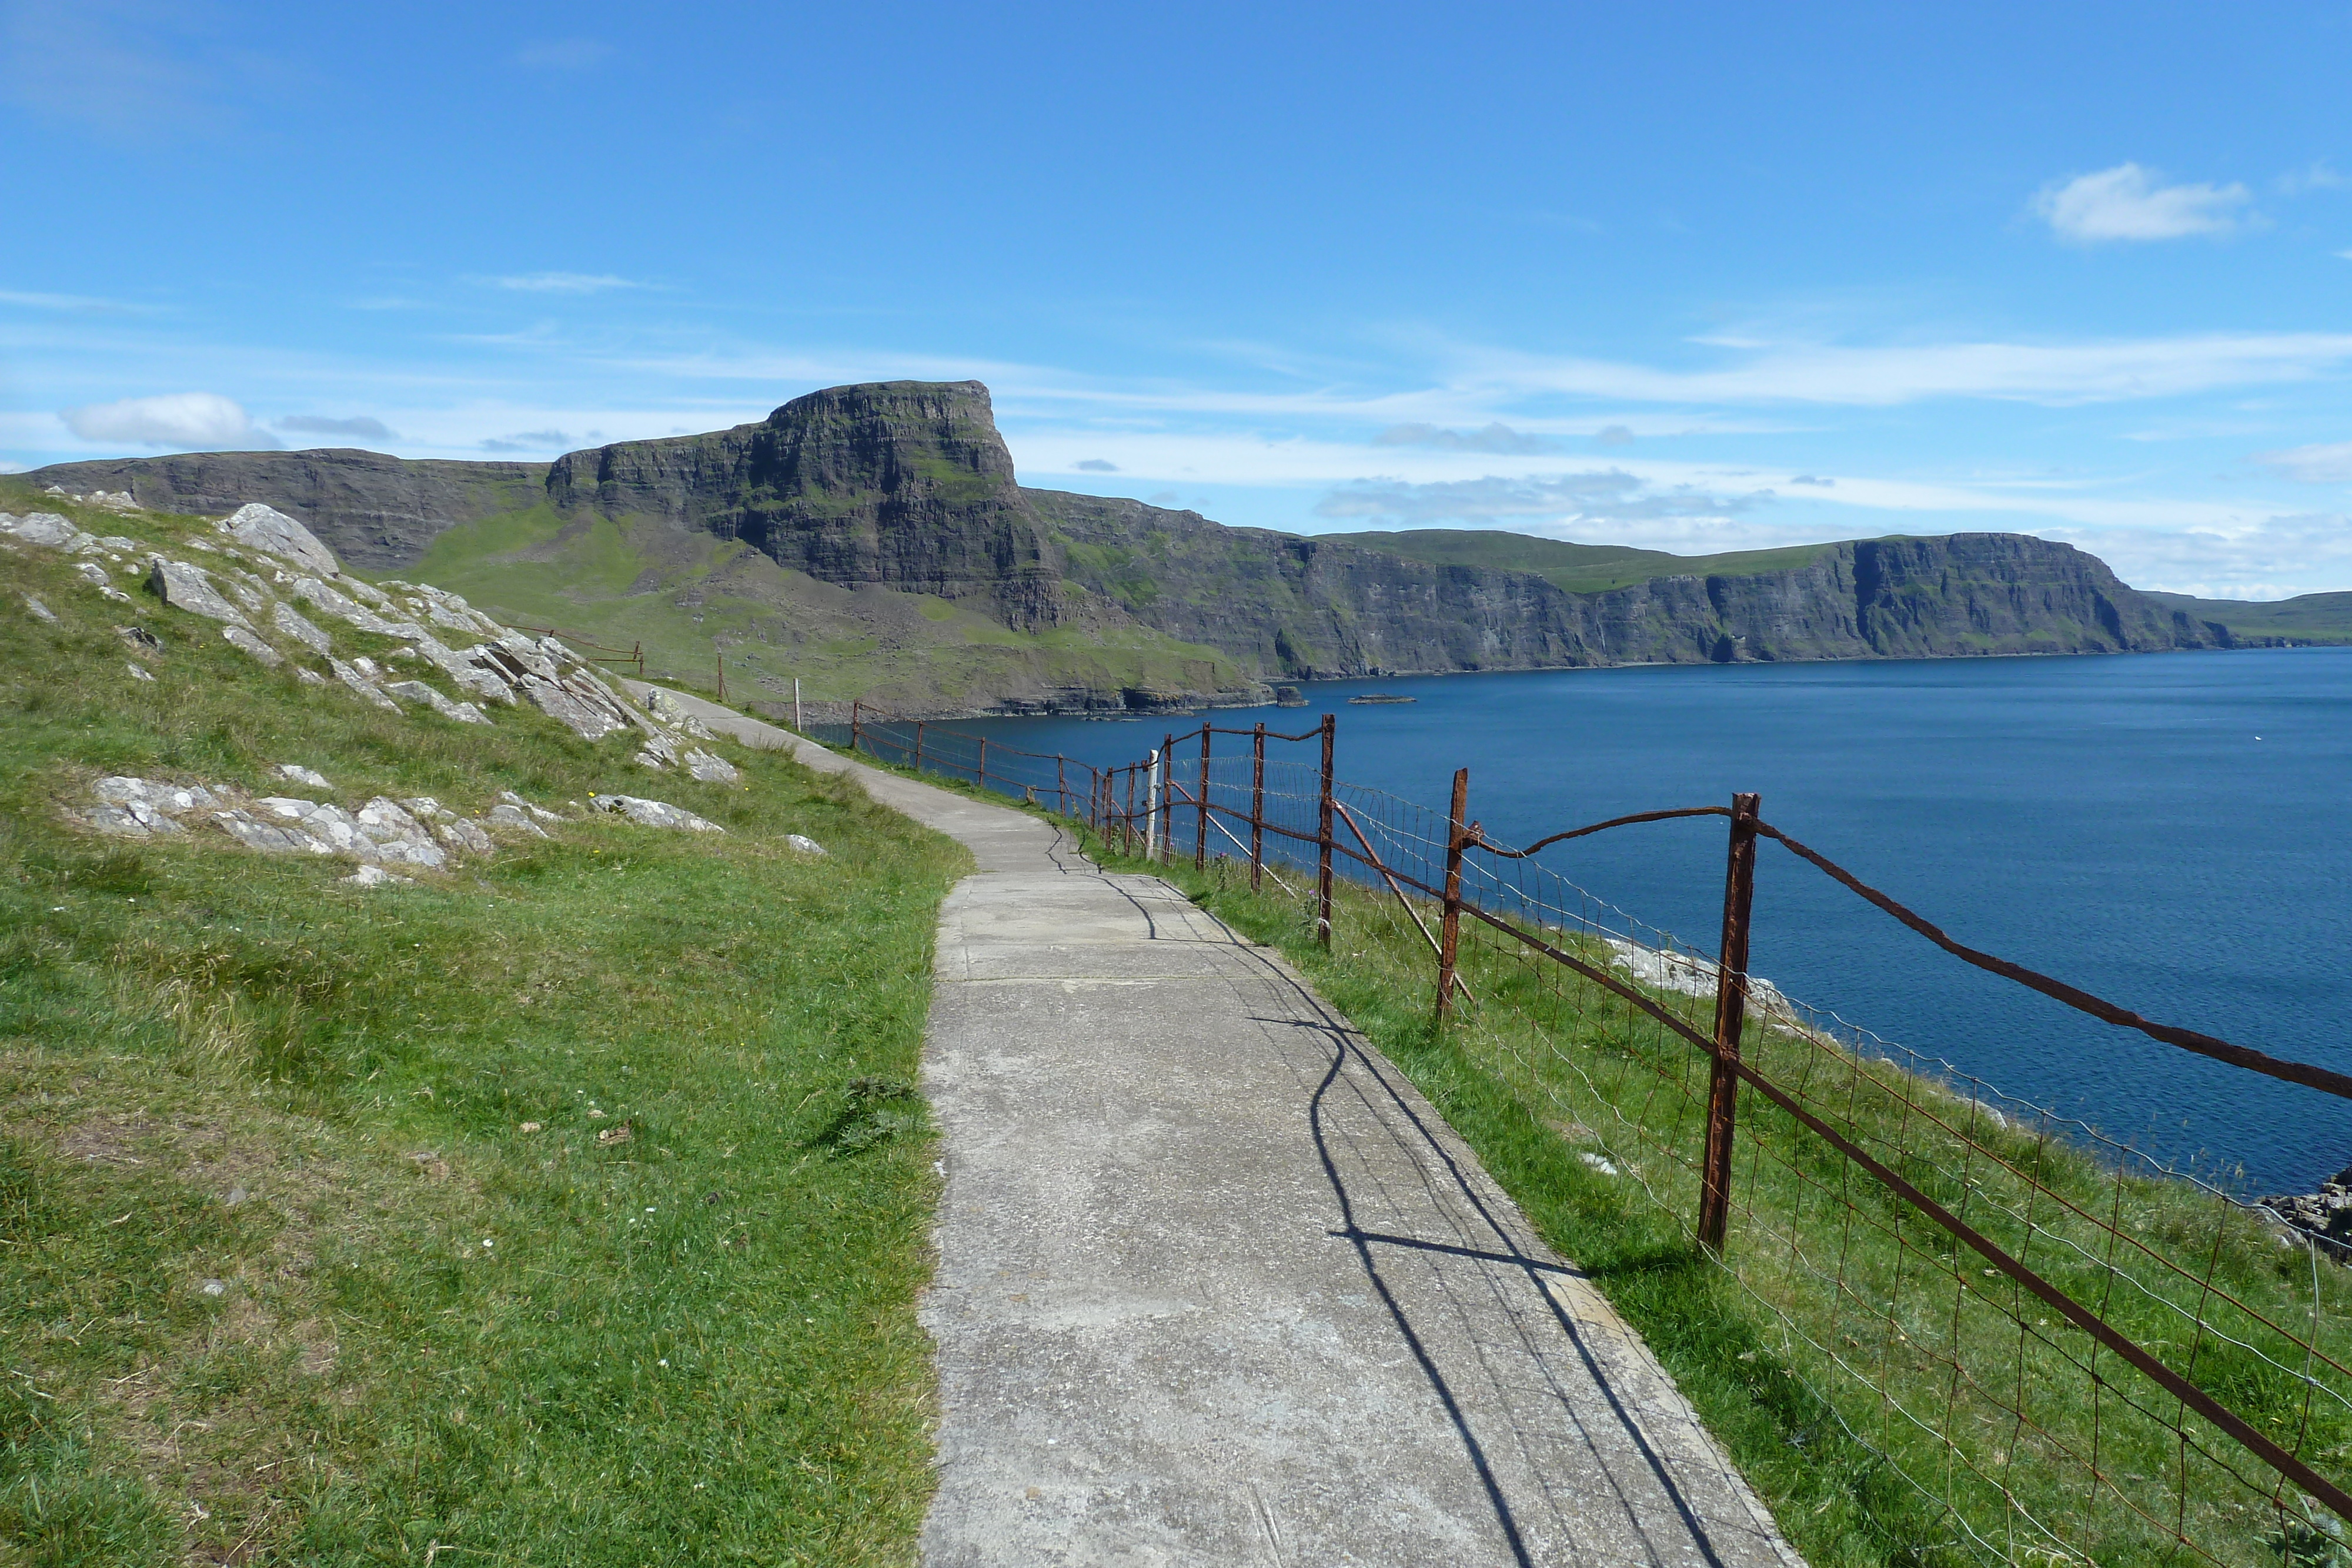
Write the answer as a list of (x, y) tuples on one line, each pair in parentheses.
[(690, 598), (436, 1329), (2307, 618), (1573, 567), (1800, 1377)]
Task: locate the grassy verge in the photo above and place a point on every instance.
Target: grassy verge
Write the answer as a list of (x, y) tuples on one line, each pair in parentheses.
[(1891, 1403), (285, 1277)]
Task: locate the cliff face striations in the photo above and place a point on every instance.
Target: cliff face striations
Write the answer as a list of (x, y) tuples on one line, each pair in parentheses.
[(907, 486)]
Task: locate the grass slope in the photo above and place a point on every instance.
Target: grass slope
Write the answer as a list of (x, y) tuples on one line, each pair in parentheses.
[(1574, 568), (690, 596), (2307, 618), (439, 1334)]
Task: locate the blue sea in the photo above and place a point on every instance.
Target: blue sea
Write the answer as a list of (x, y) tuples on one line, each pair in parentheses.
[(2165, 831)]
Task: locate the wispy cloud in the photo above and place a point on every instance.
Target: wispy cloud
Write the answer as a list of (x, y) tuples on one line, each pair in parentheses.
[(2327, 463), (2125, 202), (319, 424), (2058, 375), (2316, 175), (563, 282), (1497, 437), (1094, 465), (1608, 495), (189, 421), (565, 54), (530, 441), (80, 304)]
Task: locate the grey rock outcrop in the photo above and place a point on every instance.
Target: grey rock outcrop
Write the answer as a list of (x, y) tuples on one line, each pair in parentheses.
[(39, 610), (245, 641), (418, 692), (506, 814), (653, 814), (2324, 1218), (289, 622), (265, 528), (190, 588), (43, 528)]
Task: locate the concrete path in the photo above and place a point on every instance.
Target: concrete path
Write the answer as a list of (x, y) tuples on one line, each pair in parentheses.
[(1216, 1286)]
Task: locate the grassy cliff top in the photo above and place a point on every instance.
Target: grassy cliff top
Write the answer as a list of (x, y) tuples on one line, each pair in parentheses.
[(320, 1244), (2307, 618), (1574, 568)]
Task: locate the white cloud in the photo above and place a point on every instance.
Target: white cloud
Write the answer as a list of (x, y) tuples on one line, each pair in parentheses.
[(316, 424), (80, 303), (2125, 202), (2257, 557), (2328, 462), (190, 420), (563, 282)]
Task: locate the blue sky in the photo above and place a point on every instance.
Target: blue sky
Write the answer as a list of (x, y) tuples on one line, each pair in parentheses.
[(1692, 276)]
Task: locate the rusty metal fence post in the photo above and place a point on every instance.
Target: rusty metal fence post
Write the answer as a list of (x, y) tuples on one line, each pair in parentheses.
[(1323, 841), (1257, 807), (1731, 1017), (980, 774), (1201, 834), (855, 730), (1061, 785), (1449, 939), (917, 763)]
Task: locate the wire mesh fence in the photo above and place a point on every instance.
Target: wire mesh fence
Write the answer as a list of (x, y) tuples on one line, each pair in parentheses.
[(2058, 1348)]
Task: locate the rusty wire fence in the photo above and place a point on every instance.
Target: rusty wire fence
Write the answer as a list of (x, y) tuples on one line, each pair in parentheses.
[(2064, 1351)]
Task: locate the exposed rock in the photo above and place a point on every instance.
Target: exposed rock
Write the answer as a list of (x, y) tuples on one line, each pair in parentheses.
[(462, 834), (295, 773), (140, 637), (379, 831), (264, 527), (189, 588), (361, 685), (712, 769), (418, 692), (653, 814), (312, 677), (658, 752), (137, 673), (539, 813), (2324, 1218), (42, 528), (39, 610), (375, 877), (291, 622), (806, 845), (122, 790), (239, 638), (507, 815), (565, 703), (96, 576), (336, 604)]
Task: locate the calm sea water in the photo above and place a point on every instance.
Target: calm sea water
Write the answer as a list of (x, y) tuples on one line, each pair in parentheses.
[(2165, 831)]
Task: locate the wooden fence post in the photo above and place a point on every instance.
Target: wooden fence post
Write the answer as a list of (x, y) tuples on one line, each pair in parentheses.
[(1449, 939), (1061, 785), (1201, 834), (917, 763), (1258, 805), (1730, 1016), (855, 730), (1323, 840), (981, 771)]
